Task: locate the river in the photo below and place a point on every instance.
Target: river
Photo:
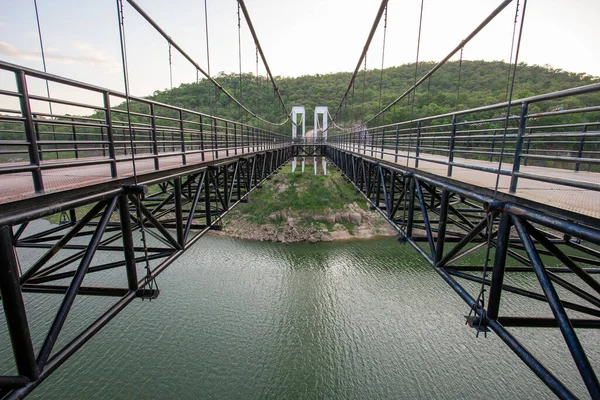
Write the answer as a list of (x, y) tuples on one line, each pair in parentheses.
[(341, 320)]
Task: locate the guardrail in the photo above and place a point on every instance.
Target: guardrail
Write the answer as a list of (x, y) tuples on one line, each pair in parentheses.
[(33, 141), (562, 138)]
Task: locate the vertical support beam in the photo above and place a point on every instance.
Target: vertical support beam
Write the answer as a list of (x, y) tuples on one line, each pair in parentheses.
[(441, 237), (451, 145), (128, 247), (499, 265), (14, 307), (519, 148), (109, 136), (32, 146), (179, 212), (207, 210), (411, 208), (581, 361)]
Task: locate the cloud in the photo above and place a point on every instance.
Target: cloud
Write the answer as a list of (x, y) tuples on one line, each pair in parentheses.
[(85, 54)]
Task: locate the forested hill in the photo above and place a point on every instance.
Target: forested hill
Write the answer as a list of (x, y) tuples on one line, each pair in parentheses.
[(481, 83)]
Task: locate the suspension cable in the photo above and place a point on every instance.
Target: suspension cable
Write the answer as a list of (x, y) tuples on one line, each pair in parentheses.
[(37, 17), (462, 44), (480, 302), (385, 17), (363, 54), (219, 87), (412, 111), (459, 76), (212, 98), (262, 54), (151, 281), (241, 92), (170, 68)]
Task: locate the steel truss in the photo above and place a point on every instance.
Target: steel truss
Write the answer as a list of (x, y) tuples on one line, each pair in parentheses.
[(172, 212), (447, 221)]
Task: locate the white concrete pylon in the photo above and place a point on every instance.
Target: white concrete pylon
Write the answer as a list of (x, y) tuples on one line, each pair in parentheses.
[(323, 111), (298, 110)]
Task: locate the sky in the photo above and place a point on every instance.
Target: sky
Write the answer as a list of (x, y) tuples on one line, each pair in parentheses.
[(81, 37)]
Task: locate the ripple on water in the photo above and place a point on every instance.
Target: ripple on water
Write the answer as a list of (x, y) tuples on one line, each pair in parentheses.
[(344, 320)]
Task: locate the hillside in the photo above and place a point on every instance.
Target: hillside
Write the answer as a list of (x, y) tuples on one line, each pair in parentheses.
[(481, 83)]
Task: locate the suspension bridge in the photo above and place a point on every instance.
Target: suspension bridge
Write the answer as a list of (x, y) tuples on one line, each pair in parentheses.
[(143, 181)]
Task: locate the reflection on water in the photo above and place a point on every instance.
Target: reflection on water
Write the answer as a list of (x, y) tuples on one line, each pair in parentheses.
[(343, 320)]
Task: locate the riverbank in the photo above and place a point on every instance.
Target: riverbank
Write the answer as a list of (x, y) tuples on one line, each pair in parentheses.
[(299, 206)]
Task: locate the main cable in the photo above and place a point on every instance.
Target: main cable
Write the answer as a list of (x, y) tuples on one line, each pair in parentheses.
[(219, 87)]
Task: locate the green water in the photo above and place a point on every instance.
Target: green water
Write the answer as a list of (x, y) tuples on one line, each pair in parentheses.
[(245, 320)]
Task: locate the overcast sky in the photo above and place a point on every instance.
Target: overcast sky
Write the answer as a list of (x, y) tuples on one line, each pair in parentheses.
[(299, 37)]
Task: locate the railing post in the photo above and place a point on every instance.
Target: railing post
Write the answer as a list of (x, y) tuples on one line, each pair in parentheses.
[(382, 141), (14, 307), (451, 146), (32, 147), (235, 138), (182, 137), (154, 140), (215, 145), (493, 145), (527, 149), (226, 139), (109, 136), (36, 127), (397, 138), (519, 148), (581, 146), (417, 151), (202, 137), (74, 131)]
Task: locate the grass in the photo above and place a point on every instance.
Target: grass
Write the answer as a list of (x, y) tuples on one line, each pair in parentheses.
[(301, 192)]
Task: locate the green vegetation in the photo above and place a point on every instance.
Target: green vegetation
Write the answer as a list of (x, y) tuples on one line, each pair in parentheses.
[(481, 83), (306, 194)]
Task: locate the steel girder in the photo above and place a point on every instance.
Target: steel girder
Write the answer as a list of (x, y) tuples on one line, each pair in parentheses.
[(101, 242), (451, 225)]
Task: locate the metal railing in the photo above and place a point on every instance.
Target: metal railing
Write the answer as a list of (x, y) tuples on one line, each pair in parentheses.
[(34, 142), (477, 139)]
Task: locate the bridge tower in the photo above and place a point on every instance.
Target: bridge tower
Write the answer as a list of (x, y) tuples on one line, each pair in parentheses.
[(324, 112), (298, 110)]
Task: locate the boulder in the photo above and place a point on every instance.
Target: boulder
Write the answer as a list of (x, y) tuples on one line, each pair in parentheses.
[(330, 219), (355, 218), (274, 216)]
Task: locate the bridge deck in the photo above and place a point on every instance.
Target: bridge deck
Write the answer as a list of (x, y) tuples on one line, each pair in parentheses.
[(580, 201), (19, 186)]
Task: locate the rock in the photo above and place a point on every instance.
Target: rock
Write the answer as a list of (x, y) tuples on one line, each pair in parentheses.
[(326, 238), (346, 217), (280, 238), (274, 216), (354, 218), (338, 217), (330, 219), (313, 239)]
